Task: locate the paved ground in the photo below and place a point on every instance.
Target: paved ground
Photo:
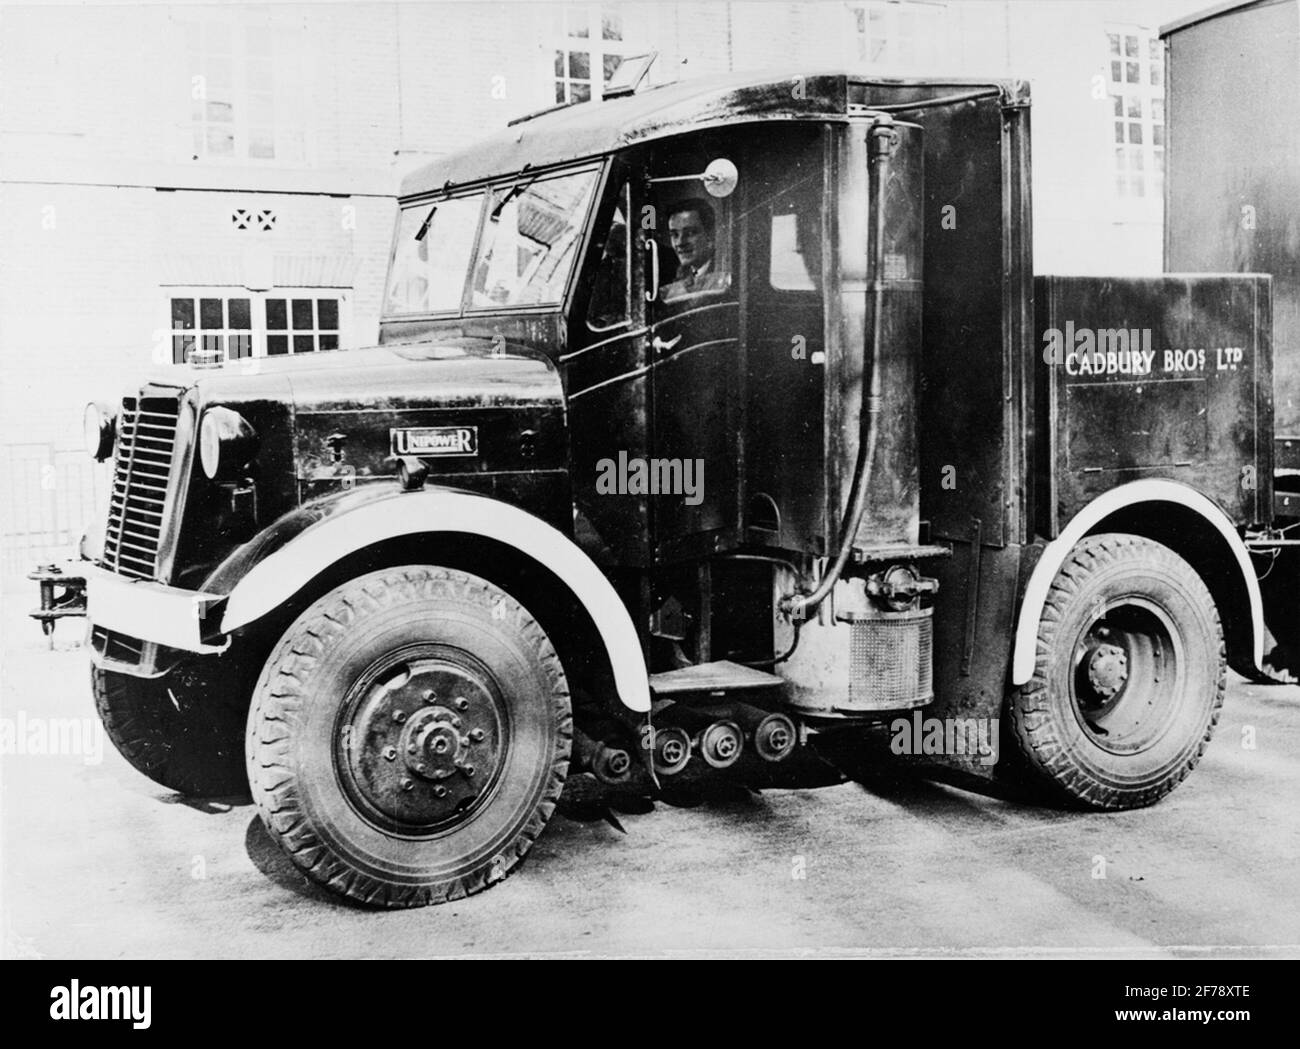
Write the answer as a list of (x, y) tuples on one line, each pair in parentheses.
[(98, 862)]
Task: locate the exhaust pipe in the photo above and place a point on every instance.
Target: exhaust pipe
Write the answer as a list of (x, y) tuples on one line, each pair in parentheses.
[(611, 765)]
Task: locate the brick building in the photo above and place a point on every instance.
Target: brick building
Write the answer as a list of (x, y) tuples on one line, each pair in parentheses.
[(181, 174)]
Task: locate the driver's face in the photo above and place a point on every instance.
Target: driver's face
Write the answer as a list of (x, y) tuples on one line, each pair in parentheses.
[(692, 245)]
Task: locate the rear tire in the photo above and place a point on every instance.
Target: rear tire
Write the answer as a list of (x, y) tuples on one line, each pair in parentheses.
[(409, 737), (1129, 677)]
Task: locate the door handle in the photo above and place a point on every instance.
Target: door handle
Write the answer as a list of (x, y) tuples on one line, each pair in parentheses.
[(660, 345), (652, 292)]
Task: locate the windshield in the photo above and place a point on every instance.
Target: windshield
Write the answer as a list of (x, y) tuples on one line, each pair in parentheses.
[(530, 240), (431, 257)]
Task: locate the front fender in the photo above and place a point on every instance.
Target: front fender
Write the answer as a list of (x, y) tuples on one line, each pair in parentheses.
[(352, 526)]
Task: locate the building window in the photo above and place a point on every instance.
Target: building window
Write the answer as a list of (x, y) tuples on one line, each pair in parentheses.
[(229, 325), (590, 50), (1136, 72), (900, 35), (245, 89)]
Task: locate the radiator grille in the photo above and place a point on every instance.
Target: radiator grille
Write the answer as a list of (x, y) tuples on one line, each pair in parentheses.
[(145, 441), (891, 661)]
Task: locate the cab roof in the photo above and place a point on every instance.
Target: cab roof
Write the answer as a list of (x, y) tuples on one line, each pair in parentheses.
[(592, 129)]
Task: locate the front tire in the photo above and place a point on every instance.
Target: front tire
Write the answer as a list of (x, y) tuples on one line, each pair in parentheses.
[(1129, 678), (409, 737), (182, 730)]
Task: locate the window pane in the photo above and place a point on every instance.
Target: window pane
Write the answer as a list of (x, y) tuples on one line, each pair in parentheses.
[(182, 347), (530, 240), (219, 112), (277, 344), (608, 305), (211, 314), (1135, 133), (559, 63), (304, 343), (1130, 47), (1132, 74), (182, 313), (1119, 131), (1119, 105), (1134, 106), (1117, 71), (302, 319), (611, 24), (561, 95), (276, 314), (327, 312), (579, 65), (239, 345), (428, 275), (1158, 135), (261, 144), (220, 143), (1113, 40), (612, 62), (240, 314), (329, 342), (579, 92)]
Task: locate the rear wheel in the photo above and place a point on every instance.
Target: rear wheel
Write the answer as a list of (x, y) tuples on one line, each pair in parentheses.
[(410, 736), (181, 730), (1129, 677)]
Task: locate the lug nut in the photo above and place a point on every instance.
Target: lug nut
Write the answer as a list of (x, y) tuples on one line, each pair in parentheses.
[(408, 784), (469, 770), (421, 769), (477, 735), (399, 716), (428, 695), (439, 792), (462, 703), (390, 753)]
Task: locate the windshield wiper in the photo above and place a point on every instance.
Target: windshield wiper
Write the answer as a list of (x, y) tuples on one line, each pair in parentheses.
[(515, 190), (424, 227)]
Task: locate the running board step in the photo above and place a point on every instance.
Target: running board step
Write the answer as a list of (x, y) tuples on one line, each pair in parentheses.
[(712, 679)]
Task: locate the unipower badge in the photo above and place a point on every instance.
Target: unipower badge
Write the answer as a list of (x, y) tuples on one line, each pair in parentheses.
[(435, 440)]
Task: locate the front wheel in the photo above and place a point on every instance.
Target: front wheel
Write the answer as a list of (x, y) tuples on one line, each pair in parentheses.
[(1129, 677), (409, 736)]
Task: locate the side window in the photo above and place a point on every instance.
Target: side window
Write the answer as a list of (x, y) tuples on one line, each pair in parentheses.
[(609, 306), (796, 239), (431, 256), (696, 230), (530, 240)]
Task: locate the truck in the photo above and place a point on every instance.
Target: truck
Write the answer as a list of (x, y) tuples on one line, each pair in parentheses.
[(718, 432)]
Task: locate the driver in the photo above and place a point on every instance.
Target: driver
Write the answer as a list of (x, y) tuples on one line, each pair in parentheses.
[(691, 234)]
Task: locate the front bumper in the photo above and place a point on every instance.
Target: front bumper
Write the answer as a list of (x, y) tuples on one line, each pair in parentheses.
[(149, 612)]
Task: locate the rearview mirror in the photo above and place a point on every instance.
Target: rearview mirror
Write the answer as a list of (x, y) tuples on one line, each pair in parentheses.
[(720, 178)]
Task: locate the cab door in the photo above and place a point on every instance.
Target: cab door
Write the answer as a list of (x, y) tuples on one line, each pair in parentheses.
[(690, 239)]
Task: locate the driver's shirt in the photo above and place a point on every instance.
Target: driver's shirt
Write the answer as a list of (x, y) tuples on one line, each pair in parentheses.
[(705, 278)]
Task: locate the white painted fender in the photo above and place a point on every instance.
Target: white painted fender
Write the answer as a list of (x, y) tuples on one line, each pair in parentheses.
[(1150, 490), (413, 513)]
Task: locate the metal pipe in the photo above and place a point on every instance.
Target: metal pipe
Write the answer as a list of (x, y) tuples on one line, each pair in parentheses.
[(881, 139)]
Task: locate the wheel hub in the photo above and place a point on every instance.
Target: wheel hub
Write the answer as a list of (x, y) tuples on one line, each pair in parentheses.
[(1107, 670), (424, 741)]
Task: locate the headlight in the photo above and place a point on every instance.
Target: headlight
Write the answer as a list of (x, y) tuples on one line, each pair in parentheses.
[(100, 427), (226, 443)]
